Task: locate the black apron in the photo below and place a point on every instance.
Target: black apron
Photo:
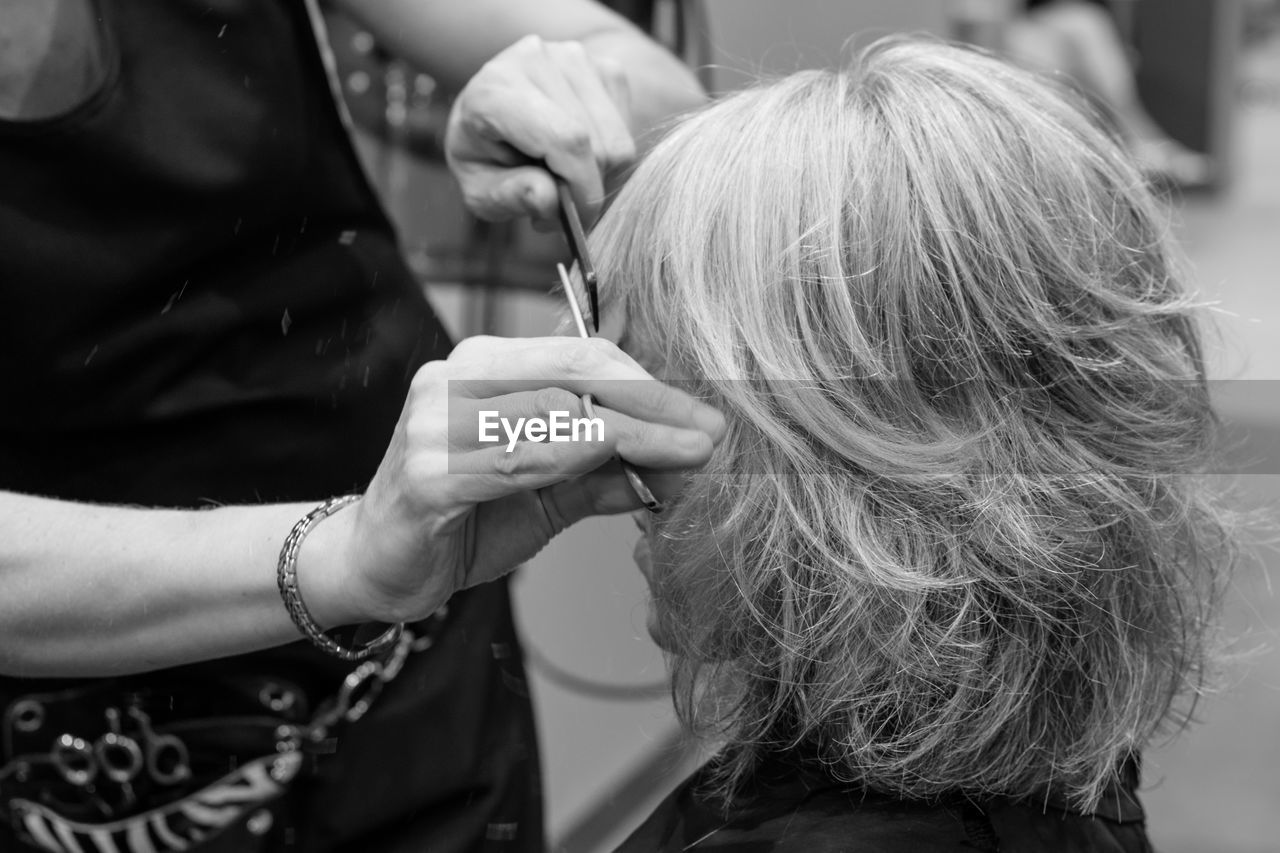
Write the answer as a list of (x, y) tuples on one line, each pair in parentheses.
[(204, 303)]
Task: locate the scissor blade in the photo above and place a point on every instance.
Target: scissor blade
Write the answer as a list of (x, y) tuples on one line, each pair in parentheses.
[(567, 284), (572, 224)]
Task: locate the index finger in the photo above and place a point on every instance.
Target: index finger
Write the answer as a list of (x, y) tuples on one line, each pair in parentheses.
[(494, 367)]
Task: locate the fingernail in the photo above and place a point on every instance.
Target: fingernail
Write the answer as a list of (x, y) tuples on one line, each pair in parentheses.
[(692, 441), (529, 198), (710, 421)]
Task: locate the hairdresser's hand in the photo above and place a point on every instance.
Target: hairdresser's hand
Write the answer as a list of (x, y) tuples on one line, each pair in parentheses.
[(539, 102), (446, 510)]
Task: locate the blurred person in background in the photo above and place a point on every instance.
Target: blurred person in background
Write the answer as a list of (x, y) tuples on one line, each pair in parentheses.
[(1079, 39), (207, 330), (952, 567)]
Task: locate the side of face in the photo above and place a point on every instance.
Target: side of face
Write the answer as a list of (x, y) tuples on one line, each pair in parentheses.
[(643, 556)]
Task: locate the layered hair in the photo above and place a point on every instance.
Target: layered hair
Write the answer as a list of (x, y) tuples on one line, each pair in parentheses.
[(954, 541)]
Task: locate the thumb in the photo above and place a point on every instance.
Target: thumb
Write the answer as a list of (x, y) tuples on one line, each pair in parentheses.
[(512, 529), (604, 491), (499, 193)]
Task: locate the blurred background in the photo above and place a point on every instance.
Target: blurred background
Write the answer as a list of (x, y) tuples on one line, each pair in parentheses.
[(1193, 86)]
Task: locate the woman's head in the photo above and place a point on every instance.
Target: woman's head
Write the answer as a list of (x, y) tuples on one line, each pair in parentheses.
[(951, 542)]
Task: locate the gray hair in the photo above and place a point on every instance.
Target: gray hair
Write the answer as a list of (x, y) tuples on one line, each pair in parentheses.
[(955, 540)]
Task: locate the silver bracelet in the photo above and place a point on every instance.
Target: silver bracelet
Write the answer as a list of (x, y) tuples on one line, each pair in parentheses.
[(287, 581)]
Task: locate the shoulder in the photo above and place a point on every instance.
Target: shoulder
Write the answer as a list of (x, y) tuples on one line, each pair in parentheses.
[(794, 816), (797, 811)]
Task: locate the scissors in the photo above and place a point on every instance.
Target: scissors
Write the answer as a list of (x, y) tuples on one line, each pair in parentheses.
[(578, 246), (577, 240)]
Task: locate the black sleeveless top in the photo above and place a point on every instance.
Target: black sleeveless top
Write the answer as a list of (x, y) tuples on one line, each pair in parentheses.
[(203, 302)]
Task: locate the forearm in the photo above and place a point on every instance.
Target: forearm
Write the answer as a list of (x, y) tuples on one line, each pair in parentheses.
[(453, 40), (661, 86), (89, 590)]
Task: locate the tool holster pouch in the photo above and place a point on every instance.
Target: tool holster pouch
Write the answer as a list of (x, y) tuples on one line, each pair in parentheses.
[(194, 767)]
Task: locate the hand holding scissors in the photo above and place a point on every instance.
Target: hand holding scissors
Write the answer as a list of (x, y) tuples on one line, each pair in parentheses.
[(537, 109)]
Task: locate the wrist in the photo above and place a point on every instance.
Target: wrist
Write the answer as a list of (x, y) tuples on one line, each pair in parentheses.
[(330, 596), (323, 569)]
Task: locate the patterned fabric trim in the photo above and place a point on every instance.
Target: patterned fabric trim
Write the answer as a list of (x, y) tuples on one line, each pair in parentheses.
[(177, 826)]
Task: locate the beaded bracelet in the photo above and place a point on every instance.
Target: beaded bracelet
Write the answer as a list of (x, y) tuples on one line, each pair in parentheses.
[(287, 581)]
